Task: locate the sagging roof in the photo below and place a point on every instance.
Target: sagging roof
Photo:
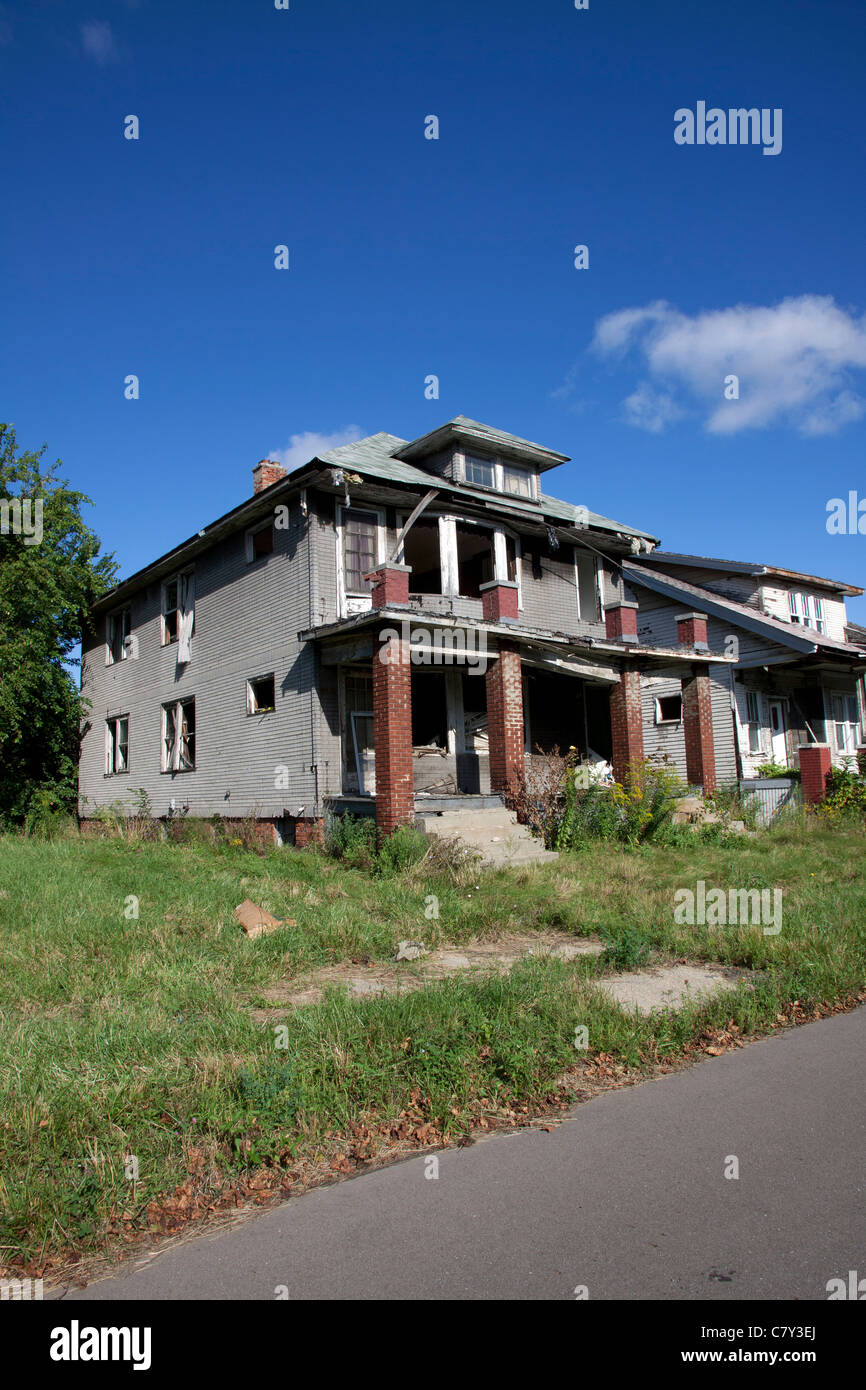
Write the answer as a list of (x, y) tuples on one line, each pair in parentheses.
[(672, 557), (703, 600)]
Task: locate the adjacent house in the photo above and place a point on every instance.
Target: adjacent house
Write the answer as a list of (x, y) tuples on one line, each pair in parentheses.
[(400, 625)]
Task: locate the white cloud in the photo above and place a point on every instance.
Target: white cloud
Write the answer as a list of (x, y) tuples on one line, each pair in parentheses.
[(303, 447), (98, 41), (793, 361)]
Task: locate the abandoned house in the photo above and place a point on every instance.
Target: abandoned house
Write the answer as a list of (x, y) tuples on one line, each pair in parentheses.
[(398, 626)]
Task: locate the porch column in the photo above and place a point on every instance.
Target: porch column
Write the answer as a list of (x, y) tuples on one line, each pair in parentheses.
[(698, 729), (390, 586), (505, 719), (815, 763), (392, 733), (626, 722)]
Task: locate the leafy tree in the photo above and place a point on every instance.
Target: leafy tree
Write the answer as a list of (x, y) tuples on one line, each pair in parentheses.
[(47, 583)]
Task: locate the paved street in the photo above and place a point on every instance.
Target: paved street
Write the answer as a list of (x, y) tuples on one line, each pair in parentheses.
[(627, 1197)]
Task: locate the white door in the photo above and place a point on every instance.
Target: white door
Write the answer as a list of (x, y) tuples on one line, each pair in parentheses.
[(777, 733)]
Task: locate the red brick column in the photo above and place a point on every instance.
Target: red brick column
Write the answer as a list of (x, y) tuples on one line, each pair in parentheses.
[(505, 719), (390, 586), (499, 601), (698, 730), (815, 763), (620, 621), (392, 735), (626, 722), (692, 631)]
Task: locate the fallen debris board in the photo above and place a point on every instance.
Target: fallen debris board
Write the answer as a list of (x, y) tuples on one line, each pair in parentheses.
[(257, 921)]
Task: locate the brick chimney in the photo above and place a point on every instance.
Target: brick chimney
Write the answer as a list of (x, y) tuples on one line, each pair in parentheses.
[(265, 473)]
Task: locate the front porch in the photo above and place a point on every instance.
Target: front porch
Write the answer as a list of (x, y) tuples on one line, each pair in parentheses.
[(436, 709)]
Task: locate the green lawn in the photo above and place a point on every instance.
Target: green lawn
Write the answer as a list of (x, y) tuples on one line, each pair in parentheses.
[(129, 1037)]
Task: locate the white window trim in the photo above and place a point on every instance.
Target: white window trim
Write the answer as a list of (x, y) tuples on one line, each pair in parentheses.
[(658, 708), (831, 735), (448, 566), (174, 758), (498, 464), (599, 604), (349, 601), (112, 745), (125, 646), (184, 636)]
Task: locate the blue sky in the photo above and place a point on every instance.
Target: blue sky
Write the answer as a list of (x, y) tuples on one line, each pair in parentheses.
[(453, 257)]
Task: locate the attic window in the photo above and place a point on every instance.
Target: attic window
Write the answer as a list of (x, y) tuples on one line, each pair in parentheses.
[(669, 709), (517, 481), (509, 478), (260, 542), (481, 472), (261, 695)]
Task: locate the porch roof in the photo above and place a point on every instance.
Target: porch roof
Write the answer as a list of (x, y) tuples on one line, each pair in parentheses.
[(600, 656)]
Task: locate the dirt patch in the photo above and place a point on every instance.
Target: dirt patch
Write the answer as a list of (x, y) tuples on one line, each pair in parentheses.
[(480, 957), (669, 986)]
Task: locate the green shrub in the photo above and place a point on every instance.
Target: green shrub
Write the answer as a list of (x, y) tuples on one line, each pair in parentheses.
[(630, 813), (626, 948), (351, 839), (846, 796), (405, 848)]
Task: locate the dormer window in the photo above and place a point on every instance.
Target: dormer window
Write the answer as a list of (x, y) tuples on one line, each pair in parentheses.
[(807, 610), (509, 478), (481, 472)]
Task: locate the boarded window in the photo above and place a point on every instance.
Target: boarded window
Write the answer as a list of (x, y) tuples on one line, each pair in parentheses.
[(669, 709), (260, 695), (359, 549), (117, 745), (178, 736)]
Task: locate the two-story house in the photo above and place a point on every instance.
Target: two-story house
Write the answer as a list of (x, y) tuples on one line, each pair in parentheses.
[(392, 624), (799, 664)]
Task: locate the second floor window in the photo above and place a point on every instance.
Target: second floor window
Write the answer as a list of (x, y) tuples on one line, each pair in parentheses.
[(360, 530), (806, 609), (178, 614), (118, 645)]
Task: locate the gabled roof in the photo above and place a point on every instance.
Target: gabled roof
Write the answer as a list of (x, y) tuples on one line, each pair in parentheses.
[(672, 557), (382, 456), (703, 600)]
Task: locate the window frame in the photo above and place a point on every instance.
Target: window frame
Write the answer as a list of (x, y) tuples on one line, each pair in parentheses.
[(350, 598), (167, 754), (659, 719), (250, 541), (124, 613), (113, 745), (253, 710), (753, 697), (498, 466)]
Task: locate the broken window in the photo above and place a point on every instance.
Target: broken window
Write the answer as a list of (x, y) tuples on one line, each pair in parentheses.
[(421, 553), (587, 586), (358, 750), (118, 644), (475, 562), (178, 614), (260, 542), (753, 720), (117, 745), (178, 736), (360, 547), (261, 695), (669, 709)]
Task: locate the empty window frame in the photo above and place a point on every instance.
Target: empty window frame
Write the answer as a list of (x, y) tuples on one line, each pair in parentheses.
[(753, 720), (360, 548), (669, 709), (586, 571), (260, 542), (118, 627), (117, 745), (476, 563), (261, 695), (845, 720), (178, 736)]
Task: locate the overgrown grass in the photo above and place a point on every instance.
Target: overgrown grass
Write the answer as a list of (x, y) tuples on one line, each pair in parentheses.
[(125, 1036)]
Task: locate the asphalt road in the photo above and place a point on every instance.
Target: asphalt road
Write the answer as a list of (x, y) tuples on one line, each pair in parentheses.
[(628, 1198)]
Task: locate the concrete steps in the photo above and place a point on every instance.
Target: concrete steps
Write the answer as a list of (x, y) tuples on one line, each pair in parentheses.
[(492, 832)]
